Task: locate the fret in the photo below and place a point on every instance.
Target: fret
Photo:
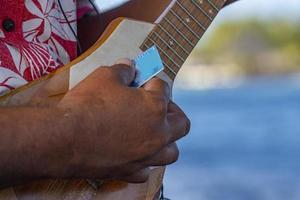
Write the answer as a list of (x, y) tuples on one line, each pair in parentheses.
[(180, 33), (208, 7), (186, 9), (157, 35), (184, 23), (165, 64), (165, 53), (213, 5), (220, 3), (187, 12), (202, 10), (170, 68), (173, 39)]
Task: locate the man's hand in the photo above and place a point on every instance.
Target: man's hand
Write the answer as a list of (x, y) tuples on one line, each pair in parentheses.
[(122, 130), (102, 129)]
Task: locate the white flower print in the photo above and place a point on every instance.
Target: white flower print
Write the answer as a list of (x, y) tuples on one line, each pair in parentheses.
[(2, 34), (58, 52), (9, 80), (49, 15), (47, 44), (18, 59), (39, 60), (50, 20), (35, 56)]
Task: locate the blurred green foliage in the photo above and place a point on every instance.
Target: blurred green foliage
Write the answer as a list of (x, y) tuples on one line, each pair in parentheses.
[(255, 47)]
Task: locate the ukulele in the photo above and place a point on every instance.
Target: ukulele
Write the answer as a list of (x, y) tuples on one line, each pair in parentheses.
[(175, 34)]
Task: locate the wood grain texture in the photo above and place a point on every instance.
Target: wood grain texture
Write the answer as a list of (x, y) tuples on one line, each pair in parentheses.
[(81, 190)]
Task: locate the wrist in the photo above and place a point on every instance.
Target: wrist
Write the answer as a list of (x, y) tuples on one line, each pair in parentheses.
[(57, 147), (70, 163)]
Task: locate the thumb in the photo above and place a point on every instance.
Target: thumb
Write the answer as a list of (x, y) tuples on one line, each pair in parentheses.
[(125, 71)]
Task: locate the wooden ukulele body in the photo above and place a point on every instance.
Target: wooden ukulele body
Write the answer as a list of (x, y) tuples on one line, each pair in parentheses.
[(122, 39)]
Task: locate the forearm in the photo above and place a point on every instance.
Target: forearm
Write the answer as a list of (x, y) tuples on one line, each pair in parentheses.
[(32, 144)]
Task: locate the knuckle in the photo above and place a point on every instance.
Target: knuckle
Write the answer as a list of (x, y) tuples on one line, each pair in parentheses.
[(122, 66), (141, 179), (145, 175), (159, 105), (158, 143), (163, 140), (109, 71), (141, 176), (175, 156), (105, 72), (187, 125), (103, 69)]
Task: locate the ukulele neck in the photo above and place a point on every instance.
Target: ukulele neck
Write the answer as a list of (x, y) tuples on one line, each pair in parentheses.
[(178, 32)]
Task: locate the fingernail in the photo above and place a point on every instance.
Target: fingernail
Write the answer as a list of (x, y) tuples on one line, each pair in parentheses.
[(124, 61)]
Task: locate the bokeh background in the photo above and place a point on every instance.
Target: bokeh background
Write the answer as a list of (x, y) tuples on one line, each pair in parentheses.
[(241, 90)]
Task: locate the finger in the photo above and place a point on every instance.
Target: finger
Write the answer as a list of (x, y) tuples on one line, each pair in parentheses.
[(174, 108), (139, 177), (165, 157), (178, 124), (124, 71), (158, 86)]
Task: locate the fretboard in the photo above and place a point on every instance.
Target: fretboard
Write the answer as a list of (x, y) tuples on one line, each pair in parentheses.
[(179, 31)]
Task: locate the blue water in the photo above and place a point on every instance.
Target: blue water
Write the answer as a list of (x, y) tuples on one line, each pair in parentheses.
[(244, 143)]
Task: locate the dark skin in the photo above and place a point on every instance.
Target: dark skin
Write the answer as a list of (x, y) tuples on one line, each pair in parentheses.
[(94, 132), (144, 10), (102, 129)]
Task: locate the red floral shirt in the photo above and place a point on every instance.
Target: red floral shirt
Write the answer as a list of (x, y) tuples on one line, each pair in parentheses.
[(35, 39)]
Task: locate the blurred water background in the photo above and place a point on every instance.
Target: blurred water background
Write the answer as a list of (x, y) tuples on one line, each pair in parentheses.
[(241, 90), (244, 143)]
